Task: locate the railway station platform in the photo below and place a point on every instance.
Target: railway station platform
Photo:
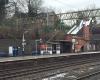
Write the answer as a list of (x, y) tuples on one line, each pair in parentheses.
[(24, 58)]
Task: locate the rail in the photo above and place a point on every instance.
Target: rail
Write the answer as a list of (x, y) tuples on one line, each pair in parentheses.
[(88, 75), (30, 70)]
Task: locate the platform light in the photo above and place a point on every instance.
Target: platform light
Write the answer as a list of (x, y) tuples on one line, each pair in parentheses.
[(23, 40), (36, 43), (73, 44)]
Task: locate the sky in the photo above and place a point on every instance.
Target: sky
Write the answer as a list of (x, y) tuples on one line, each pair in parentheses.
[(70, 5)]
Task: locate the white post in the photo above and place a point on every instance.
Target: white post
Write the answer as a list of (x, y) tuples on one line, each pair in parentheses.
[(73, 44), (47, 19), (23, 40), (36, 46), (23, 43)]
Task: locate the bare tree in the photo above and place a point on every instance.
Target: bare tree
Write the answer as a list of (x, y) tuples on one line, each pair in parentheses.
[(33, 7), (3, 4)]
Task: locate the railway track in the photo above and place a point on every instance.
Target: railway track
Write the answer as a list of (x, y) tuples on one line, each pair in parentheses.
[(13, 73), (71, 72), (88, 75)]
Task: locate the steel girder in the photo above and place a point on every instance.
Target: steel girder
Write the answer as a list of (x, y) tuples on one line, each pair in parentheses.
[(74, 15)]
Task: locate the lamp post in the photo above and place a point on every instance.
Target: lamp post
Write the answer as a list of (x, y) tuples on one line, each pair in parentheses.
[(73, 44), (23, 41), (36, 42)]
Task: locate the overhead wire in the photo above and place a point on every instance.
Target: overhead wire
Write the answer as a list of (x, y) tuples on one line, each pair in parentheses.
[(64, 4)]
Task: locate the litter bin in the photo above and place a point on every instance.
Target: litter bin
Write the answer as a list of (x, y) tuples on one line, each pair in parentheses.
[(10, 50)]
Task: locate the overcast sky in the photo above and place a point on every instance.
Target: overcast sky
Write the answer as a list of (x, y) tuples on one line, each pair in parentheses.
[(66, 5)]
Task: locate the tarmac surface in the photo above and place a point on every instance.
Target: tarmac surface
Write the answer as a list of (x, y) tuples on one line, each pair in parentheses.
[(8, 59)]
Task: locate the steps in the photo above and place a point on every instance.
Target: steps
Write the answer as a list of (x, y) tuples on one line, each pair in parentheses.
[(85, 37)]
